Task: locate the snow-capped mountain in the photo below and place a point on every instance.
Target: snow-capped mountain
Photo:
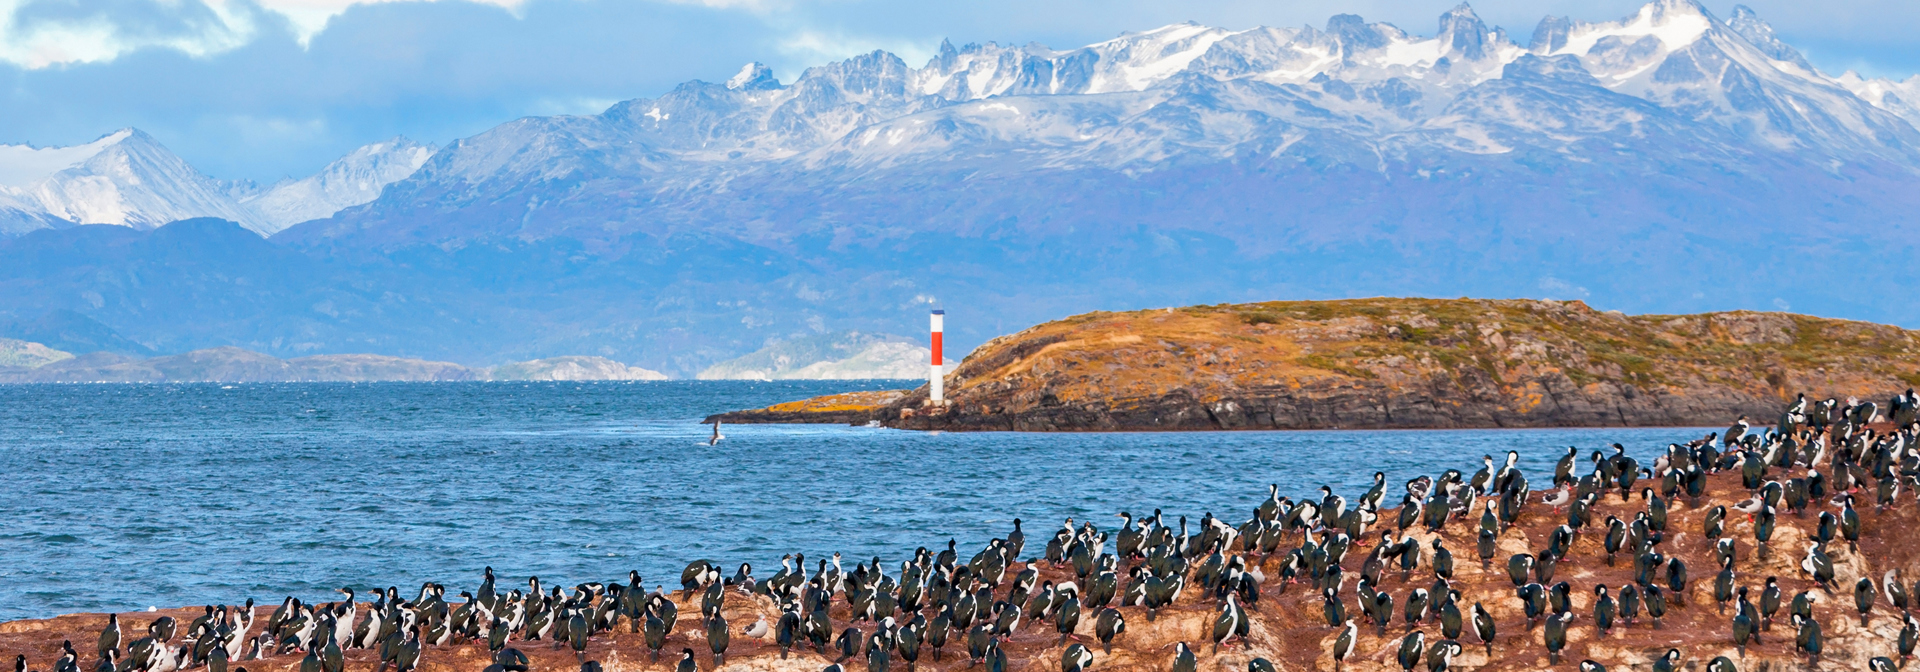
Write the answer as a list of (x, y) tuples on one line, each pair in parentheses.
[(123, 178), (1666, 161), (1901, 97), (1193, 93), (349, 181), (127, 178)]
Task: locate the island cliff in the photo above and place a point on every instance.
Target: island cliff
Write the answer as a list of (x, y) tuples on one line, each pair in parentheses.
[(1401, 363)]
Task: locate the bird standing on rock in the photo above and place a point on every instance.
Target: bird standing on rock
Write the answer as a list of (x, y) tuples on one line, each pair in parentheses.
[(1109, 625), (1807, 638), (1230, 622), (1412, 648), (109, 636), (1183, 660), (1343, 645), (1909, 636), (1668, 662), (1075, 658), (1556, 635), (1483, 626), (718, 637), (1863, 598)]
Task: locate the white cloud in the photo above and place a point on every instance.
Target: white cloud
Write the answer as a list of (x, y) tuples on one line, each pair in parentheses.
[(309, 17), (198, 28), (195, 28), (756, 6), (1556, 288)]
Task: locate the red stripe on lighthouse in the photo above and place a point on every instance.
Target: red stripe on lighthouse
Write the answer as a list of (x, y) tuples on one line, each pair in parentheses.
[(937, 325)]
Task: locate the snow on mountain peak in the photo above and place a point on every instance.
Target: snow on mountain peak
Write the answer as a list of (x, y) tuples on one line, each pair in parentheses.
[(1672, 25), (1462, 33), (1899, 97), (1759, 33), (23, 165), (1141, 98), (1138, 60), (350, 180), (753, 77), (127, 178)]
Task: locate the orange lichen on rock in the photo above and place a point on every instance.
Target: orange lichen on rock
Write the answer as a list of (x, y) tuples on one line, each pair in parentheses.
[(844, 408)]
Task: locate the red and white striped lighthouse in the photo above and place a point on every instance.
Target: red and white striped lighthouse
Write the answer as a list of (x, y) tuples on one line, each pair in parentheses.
[(936, 381)]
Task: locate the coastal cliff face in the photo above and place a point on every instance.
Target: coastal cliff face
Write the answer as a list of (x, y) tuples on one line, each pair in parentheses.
[(1409, 363)]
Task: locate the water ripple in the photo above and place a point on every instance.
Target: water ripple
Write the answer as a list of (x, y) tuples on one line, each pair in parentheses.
[(131, 495)]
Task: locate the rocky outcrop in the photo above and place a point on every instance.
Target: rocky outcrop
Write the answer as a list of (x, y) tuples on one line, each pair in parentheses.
[(852, 408), (1408, 363)]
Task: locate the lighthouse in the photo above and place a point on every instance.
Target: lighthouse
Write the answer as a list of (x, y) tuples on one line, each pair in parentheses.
[(936, 382)]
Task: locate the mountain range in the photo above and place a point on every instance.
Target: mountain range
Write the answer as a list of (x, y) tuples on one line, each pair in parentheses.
[(1668, 161), (127, 178)]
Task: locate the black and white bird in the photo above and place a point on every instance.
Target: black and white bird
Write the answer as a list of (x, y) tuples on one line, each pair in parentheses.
[(1667, 662), (1412, 650), (1183, 659), (1343, 644), (1076, 658)]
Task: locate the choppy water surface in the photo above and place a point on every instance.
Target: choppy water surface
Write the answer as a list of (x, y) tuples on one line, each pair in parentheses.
[(117, 497)]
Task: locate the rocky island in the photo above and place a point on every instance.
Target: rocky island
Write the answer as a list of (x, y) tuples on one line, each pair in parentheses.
[(1395, 363)]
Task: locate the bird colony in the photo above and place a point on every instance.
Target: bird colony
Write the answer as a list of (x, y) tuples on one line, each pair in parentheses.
[(1779, 548)]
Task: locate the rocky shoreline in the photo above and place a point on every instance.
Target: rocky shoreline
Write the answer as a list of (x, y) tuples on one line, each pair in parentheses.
[(851, 408), (1286, 623), (1402, 364)]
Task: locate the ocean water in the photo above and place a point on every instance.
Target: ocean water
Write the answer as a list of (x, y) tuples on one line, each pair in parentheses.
[(118, 497)]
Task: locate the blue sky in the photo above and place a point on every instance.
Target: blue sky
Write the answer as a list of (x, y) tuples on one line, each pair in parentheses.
[(265, 89)]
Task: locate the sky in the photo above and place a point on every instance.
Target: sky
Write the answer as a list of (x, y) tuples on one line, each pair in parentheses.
[(271, 89)]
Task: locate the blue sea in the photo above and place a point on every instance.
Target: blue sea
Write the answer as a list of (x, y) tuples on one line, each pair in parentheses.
[(120, 497)]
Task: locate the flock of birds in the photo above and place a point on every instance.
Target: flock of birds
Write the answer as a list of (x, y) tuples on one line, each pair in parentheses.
[(939, 600)]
